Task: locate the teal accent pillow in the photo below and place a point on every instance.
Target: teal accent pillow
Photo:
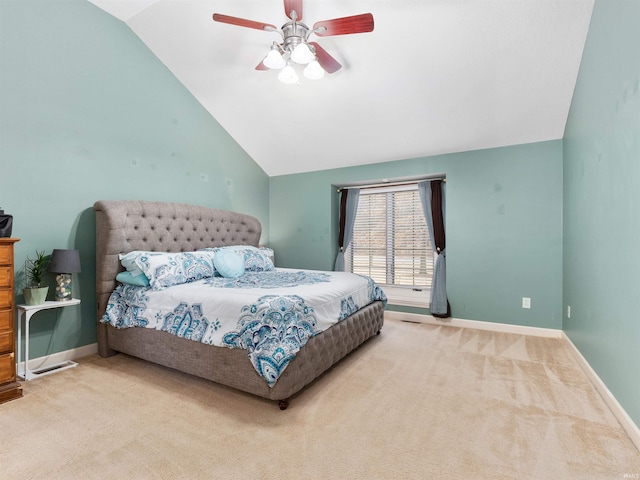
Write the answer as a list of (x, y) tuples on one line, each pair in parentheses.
[(130, 279), (228, 263), (255, 259)]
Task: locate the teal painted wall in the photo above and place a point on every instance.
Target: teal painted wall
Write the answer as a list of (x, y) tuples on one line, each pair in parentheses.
[(503, 218), (602, 199), (87, 112)]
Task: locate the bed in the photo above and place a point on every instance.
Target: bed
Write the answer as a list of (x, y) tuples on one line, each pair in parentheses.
[(128, 226)]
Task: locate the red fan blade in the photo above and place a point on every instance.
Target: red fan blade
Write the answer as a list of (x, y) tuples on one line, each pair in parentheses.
[(293, 5), (262, 66), (325, 60), (343, 26), (241, 22)]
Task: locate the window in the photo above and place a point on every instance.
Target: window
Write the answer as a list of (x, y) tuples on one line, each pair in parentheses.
[(391, 241)]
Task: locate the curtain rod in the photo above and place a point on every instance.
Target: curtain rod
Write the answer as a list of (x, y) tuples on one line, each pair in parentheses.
[(392, 183)]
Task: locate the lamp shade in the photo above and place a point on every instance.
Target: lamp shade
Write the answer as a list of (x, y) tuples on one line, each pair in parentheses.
[(64, 261), (302, 54), (313, 71), (274, 59), (288, 75)]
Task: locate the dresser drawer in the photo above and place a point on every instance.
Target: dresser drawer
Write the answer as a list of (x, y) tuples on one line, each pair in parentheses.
[(6, 298), (6, 341), (6, 276), (6, 254), (6, 320), (7, 368)]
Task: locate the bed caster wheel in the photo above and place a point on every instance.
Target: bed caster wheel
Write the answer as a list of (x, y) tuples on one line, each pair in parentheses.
[(283, 404)]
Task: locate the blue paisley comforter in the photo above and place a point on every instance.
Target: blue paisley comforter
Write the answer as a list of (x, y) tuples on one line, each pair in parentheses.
[(270, 314)]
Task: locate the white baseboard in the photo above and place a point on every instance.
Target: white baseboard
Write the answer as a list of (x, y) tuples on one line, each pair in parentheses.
[(478, 325), (625, 420), (54, 358)]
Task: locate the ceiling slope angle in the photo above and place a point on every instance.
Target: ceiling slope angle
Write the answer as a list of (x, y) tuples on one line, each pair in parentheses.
[(123, 9), (432, 77)]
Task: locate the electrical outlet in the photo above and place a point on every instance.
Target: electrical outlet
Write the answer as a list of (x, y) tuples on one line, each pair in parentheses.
[(526, 302), (568, 311)]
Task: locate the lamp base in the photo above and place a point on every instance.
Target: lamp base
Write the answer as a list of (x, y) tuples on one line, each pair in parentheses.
[(63, 287)]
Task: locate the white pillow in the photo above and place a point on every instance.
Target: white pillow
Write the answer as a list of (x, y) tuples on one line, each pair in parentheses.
[(128, 261)]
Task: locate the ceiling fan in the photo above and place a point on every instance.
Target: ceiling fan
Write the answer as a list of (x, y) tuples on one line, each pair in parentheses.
[(295, 47)]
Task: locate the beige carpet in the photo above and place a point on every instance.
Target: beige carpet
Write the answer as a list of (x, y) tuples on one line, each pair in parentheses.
[(417, 402)]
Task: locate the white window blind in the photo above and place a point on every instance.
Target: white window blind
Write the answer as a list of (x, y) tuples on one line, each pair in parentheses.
[(391, 241)]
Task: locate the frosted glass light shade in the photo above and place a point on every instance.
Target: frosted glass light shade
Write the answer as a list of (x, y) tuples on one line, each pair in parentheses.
[(302, 54), (274, 60), (288, 75), (313, 71)]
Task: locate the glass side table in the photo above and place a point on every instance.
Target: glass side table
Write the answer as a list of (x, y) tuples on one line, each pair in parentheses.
[(27, 311)]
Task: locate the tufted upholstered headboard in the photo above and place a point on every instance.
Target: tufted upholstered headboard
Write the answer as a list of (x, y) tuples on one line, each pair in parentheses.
[(124, 226)]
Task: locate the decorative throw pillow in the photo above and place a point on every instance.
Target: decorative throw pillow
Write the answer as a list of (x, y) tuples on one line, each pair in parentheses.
[(167, 269), (229, 263), (269, 253), (255, 259)]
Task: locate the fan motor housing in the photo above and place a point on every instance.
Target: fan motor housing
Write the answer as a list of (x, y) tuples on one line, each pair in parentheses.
[(294, 33)]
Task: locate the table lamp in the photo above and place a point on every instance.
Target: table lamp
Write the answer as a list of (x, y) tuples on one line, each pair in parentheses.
[(63, 263)]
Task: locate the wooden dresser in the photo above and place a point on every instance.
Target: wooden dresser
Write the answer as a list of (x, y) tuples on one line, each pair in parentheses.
[(9, 387)]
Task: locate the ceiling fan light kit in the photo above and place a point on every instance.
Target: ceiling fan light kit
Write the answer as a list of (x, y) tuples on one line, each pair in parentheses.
[(313, 71), (288, 75), (295, 47), (302, 54), (274, 59)]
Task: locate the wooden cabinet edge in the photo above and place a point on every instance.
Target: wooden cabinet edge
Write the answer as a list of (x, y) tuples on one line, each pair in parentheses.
[(11, 389)]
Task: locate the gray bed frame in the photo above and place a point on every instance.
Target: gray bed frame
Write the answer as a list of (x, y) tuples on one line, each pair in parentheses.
[(124, 226)]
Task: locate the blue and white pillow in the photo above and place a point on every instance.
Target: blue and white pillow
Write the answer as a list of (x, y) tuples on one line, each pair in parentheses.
[(128, 261), (257, 261), (167, 269)]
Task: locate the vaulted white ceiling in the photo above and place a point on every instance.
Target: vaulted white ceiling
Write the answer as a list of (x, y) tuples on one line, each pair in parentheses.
[(435, 76)]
